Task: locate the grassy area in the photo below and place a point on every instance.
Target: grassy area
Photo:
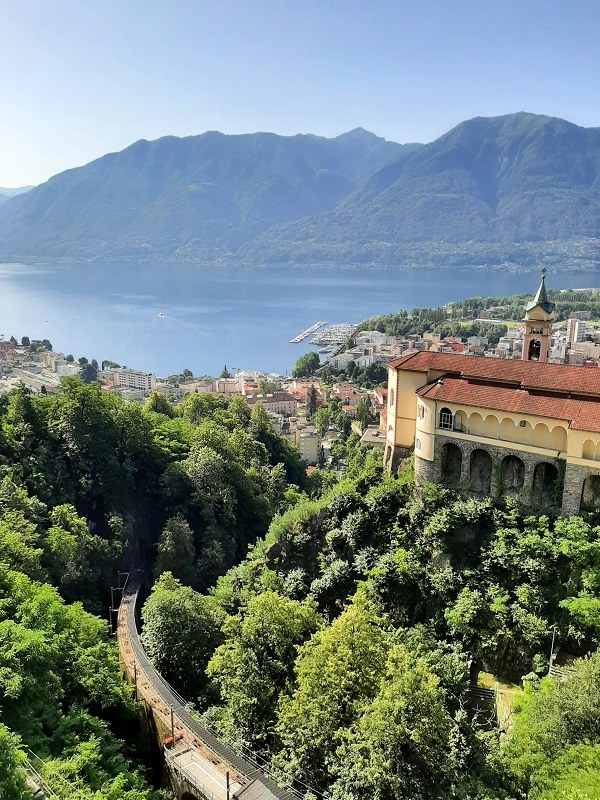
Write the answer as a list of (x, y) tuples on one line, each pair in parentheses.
[(506, 694)]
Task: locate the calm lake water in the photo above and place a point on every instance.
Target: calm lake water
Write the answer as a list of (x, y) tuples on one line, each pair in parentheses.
[(165, 318)]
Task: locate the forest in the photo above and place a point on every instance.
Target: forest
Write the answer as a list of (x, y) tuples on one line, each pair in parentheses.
[(87, 484), (330, 624), (464, 318)]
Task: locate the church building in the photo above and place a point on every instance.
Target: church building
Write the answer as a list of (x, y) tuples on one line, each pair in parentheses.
[(498, 427)]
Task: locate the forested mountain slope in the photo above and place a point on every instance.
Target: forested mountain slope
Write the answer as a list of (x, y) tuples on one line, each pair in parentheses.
[(514, 187), (199, 197), (517, 178)]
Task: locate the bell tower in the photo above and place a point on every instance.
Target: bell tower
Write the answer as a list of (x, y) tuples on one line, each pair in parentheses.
[(539, 315)]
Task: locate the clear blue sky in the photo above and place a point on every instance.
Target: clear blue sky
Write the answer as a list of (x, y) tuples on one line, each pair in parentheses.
[(79, 78)]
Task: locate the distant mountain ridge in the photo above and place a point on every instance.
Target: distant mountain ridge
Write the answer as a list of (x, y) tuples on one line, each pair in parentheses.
[(6, 194), (490, 185), (200, 197)]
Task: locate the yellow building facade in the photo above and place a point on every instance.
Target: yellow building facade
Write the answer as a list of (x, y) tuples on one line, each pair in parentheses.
[(494, 427)]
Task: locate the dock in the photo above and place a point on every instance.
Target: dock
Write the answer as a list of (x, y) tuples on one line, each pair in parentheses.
[(334, 334), (305, 334)]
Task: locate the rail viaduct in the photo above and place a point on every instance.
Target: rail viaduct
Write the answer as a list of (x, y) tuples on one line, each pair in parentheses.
[(199, 765)]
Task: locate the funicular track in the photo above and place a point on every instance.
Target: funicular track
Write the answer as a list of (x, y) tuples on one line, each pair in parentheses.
[(202, 761)]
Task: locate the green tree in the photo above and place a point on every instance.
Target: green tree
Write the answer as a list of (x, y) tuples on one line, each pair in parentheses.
[(553, 717), (70, 358), (306, 365), (363, 414), (176, 552), (181, 631), (402, 744), (322, 419), (25, 341), (338, 673), (159, 404), (12, 776), (311, 402), (225, 372), (255, 664), (574, 775), (88, 373)]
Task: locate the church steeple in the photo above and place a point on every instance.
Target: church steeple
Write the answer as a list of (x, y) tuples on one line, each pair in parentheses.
[(539, 314)]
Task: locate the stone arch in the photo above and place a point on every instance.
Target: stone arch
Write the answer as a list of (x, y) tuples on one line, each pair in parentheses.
[(480, 472), (590, 492), (548, 485), (535, 347), (558, 439), (476, 424), (451, 464), (512, 476), (589, 449)]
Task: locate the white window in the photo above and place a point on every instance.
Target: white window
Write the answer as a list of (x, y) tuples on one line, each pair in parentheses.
[(417, 444), (445, 419)]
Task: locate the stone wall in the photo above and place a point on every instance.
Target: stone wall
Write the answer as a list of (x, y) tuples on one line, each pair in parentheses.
[(393, 457), (502, 482), (575, 476)]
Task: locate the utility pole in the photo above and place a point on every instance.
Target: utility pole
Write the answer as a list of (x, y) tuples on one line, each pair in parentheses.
[(227, 784), (172, 729), (552, 649), (135, 680)]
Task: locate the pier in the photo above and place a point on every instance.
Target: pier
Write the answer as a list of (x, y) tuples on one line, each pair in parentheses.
[(305, 334), (334, 334)]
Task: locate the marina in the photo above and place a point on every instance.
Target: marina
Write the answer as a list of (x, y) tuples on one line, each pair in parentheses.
[(305, 334), (334, 334)]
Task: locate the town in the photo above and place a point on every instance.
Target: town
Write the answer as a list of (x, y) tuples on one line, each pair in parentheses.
[(352, 375)]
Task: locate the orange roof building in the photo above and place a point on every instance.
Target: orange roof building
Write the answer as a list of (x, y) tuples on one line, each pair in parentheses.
[(495, 427)]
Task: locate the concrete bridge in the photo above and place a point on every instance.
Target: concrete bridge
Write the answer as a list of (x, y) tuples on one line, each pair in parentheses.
[(200, 766)]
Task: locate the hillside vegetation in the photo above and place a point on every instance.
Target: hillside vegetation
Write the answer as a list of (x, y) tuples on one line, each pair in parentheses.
[(332, 626), (342, 645), (87, 485)]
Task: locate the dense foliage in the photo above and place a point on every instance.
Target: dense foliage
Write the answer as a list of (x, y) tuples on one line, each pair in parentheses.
[(90, 484), (351, 631), (463, 319)]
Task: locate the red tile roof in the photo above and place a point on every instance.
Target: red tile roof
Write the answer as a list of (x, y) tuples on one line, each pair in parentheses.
[(583, 415), (548, 378)]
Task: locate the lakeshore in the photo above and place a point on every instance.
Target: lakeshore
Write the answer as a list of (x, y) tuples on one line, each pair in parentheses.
[(166, 318)]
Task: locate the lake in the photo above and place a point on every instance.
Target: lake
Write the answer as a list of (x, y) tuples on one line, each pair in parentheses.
[(164, 318)]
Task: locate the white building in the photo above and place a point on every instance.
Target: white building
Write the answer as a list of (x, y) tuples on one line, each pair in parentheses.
[(133, 379), (576, 330), (309, 444)]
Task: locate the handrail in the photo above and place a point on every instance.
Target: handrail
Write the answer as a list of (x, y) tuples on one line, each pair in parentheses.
[(247, 766)]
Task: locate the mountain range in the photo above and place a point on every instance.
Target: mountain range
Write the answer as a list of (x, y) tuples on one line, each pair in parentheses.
[(5, 193), (494, 187)]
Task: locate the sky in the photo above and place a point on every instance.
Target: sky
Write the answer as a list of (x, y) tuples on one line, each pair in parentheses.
[(80, 78)]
